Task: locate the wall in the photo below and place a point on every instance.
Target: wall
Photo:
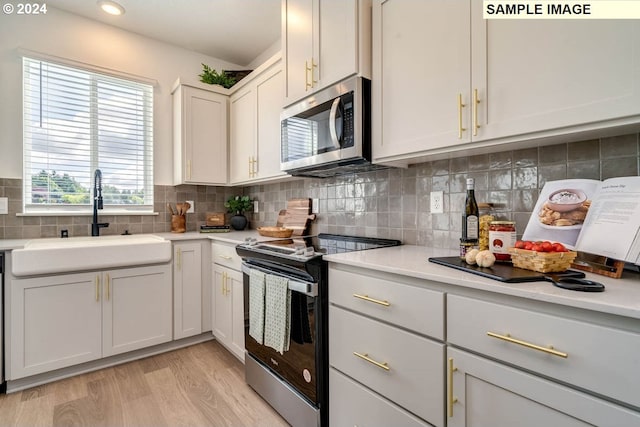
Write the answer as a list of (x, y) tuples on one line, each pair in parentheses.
[(391, 203), (394, 203), (78, 39)]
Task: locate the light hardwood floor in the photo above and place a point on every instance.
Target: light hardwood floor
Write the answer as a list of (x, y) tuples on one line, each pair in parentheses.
[(201, 385)]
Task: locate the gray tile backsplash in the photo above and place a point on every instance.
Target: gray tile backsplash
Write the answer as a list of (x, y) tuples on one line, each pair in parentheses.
[(392, 203)]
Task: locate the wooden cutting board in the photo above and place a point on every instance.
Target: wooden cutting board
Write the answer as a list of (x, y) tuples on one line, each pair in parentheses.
[(297, 216)]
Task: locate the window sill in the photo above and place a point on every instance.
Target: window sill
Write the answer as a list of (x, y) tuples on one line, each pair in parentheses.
[(101, 213)]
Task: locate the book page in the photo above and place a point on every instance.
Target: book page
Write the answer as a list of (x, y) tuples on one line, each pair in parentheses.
[(612, 226), (558, 222)]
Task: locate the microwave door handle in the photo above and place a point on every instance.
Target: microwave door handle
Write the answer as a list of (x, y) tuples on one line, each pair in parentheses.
[(332, 123)]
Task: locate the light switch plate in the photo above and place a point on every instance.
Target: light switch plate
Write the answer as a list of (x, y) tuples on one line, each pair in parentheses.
[(4, 205)]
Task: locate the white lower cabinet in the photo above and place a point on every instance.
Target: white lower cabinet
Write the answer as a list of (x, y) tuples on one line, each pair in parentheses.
[(187, 289), (228, 310), (352, 404), (63, 320), (485, 393), (388, 349)]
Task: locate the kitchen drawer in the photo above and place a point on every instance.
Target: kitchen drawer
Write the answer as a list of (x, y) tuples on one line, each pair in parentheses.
[(225, 254), (411, 307), (598, 358), (351, 404), (414, 379)]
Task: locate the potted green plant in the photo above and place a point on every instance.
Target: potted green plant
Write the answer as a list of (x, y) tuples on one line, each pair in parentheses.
[(212, 77), (238, 205)]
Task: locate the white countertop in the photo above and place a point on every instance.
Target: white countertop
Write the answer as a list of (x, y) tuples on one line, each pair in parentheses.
[(234, 237), (621, 296)]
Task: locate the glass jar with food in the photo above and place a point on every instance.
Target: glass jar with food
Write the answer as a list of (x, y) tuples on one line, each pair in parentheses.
[(502, 236), (486, 217)]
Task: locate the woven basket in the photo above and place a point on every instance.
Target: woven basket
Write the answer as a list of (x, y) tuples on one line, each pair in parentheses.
[(542, 262), (275, 231)]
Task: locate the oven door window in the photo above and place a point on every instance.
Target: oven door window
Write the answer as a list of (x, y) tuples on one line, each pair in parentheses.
[(322, 129)]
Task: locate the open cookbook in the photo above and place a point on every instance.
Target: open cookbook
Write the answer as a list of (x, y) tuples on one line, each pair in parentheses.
[(596, 217)]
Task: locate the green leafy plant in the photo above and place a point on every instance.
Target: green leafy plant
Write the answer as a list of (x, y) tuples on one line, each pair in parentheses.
[(238, 204), (212, 77)]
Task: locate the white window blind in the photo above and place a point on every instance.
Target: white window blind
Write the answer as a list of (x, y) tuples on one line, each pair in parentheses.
[(76, 121)]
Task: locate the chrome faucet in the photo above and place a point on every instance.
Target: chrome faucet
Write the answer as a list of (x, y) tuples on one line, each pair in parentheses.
[(97, 204)]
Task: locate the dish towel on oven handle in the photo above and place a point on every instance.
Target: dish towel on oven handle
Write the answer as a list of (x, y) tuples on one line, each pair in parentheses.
[(256, 304), (277, 318)]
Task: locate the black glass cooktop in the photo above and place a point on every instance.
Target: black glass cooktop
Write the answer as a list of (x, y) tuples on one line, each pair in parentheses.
[(316, 246)]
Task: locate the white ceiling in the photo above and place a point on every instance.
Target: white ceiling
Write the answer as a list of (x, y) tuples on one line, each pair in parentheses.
[(236, 31)]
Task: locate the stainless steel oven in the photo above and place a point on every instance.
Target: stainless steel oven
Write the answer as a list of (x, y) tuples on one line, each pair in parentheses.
[(296, 381)]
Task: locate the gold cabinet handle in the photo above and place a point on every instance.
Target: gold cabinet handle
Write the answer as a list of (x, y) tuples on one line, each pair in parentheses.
[(108, 284), (313, 65), (179, 256), (224, 283), (373, 300), (373, 362), (188, 169), (250, 168), (548, 350), (460, 107), (254, 168), (307, 85), (476, 101), (97, 281), (452, 399)]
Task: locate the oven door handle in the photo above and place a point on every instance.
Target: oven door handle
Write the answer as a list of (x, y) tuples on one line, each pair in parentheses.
[(295, 285)]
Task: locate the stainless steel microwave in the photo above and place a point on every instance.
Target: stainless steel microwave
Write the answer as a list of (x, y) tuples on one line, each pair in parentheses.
[(328, 133)]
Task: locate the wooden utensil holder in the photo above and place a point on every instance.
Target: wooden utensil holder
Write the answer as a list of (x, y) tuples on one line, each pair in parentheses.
[(178, 223)]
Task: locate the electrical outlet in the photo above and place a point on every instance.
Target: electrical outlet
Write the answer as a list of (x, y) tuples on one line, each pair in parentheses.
[(192, 207), (315, 206), (4, 205), (437, 202), (255, 206)]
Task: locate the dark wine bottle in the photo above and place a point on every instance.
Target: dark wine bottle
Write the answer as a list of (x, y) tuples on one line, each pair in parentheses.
[(470, 216)]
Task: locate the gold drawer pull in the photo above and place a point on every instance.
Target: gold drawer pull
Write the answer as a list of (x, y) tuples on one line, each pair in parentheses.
[(508, 338), (227, 257), (452, 399), (376, 301), (368, 359)]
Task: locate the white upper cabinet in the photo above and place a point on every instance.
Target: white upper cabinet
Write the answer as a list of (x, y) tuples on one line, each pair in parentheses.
[(199, 136), (255, 126), (446, 80), (324, 41), (421, 66)]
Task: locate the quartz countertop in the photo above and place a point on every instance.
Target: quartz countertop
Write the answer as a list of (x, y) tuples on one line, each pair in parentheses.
[(621, 296), (234, 237)]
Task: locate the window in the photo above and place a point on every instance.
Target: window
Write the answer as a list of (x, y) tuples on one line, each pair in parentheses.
[(76, 121)]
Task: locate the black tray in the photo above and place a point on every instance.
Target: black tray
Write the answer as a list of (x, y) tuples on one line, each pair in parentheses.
[(504, 272)]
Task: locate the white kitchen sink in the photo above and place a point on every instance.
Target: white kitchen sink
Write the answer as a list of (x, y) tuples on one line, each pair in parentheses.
[(46, 256)]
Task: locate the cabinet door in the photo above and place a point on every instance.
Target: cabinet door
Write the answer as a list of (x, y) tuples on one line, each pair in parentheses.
[(55, 322), (297, 37), (421, 63), (544, 75), (187, 289), (486, 393), (137, 309), (221, 325), (242, 147), (204, 136), (269, 93), (337, 41), (238, 313)]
